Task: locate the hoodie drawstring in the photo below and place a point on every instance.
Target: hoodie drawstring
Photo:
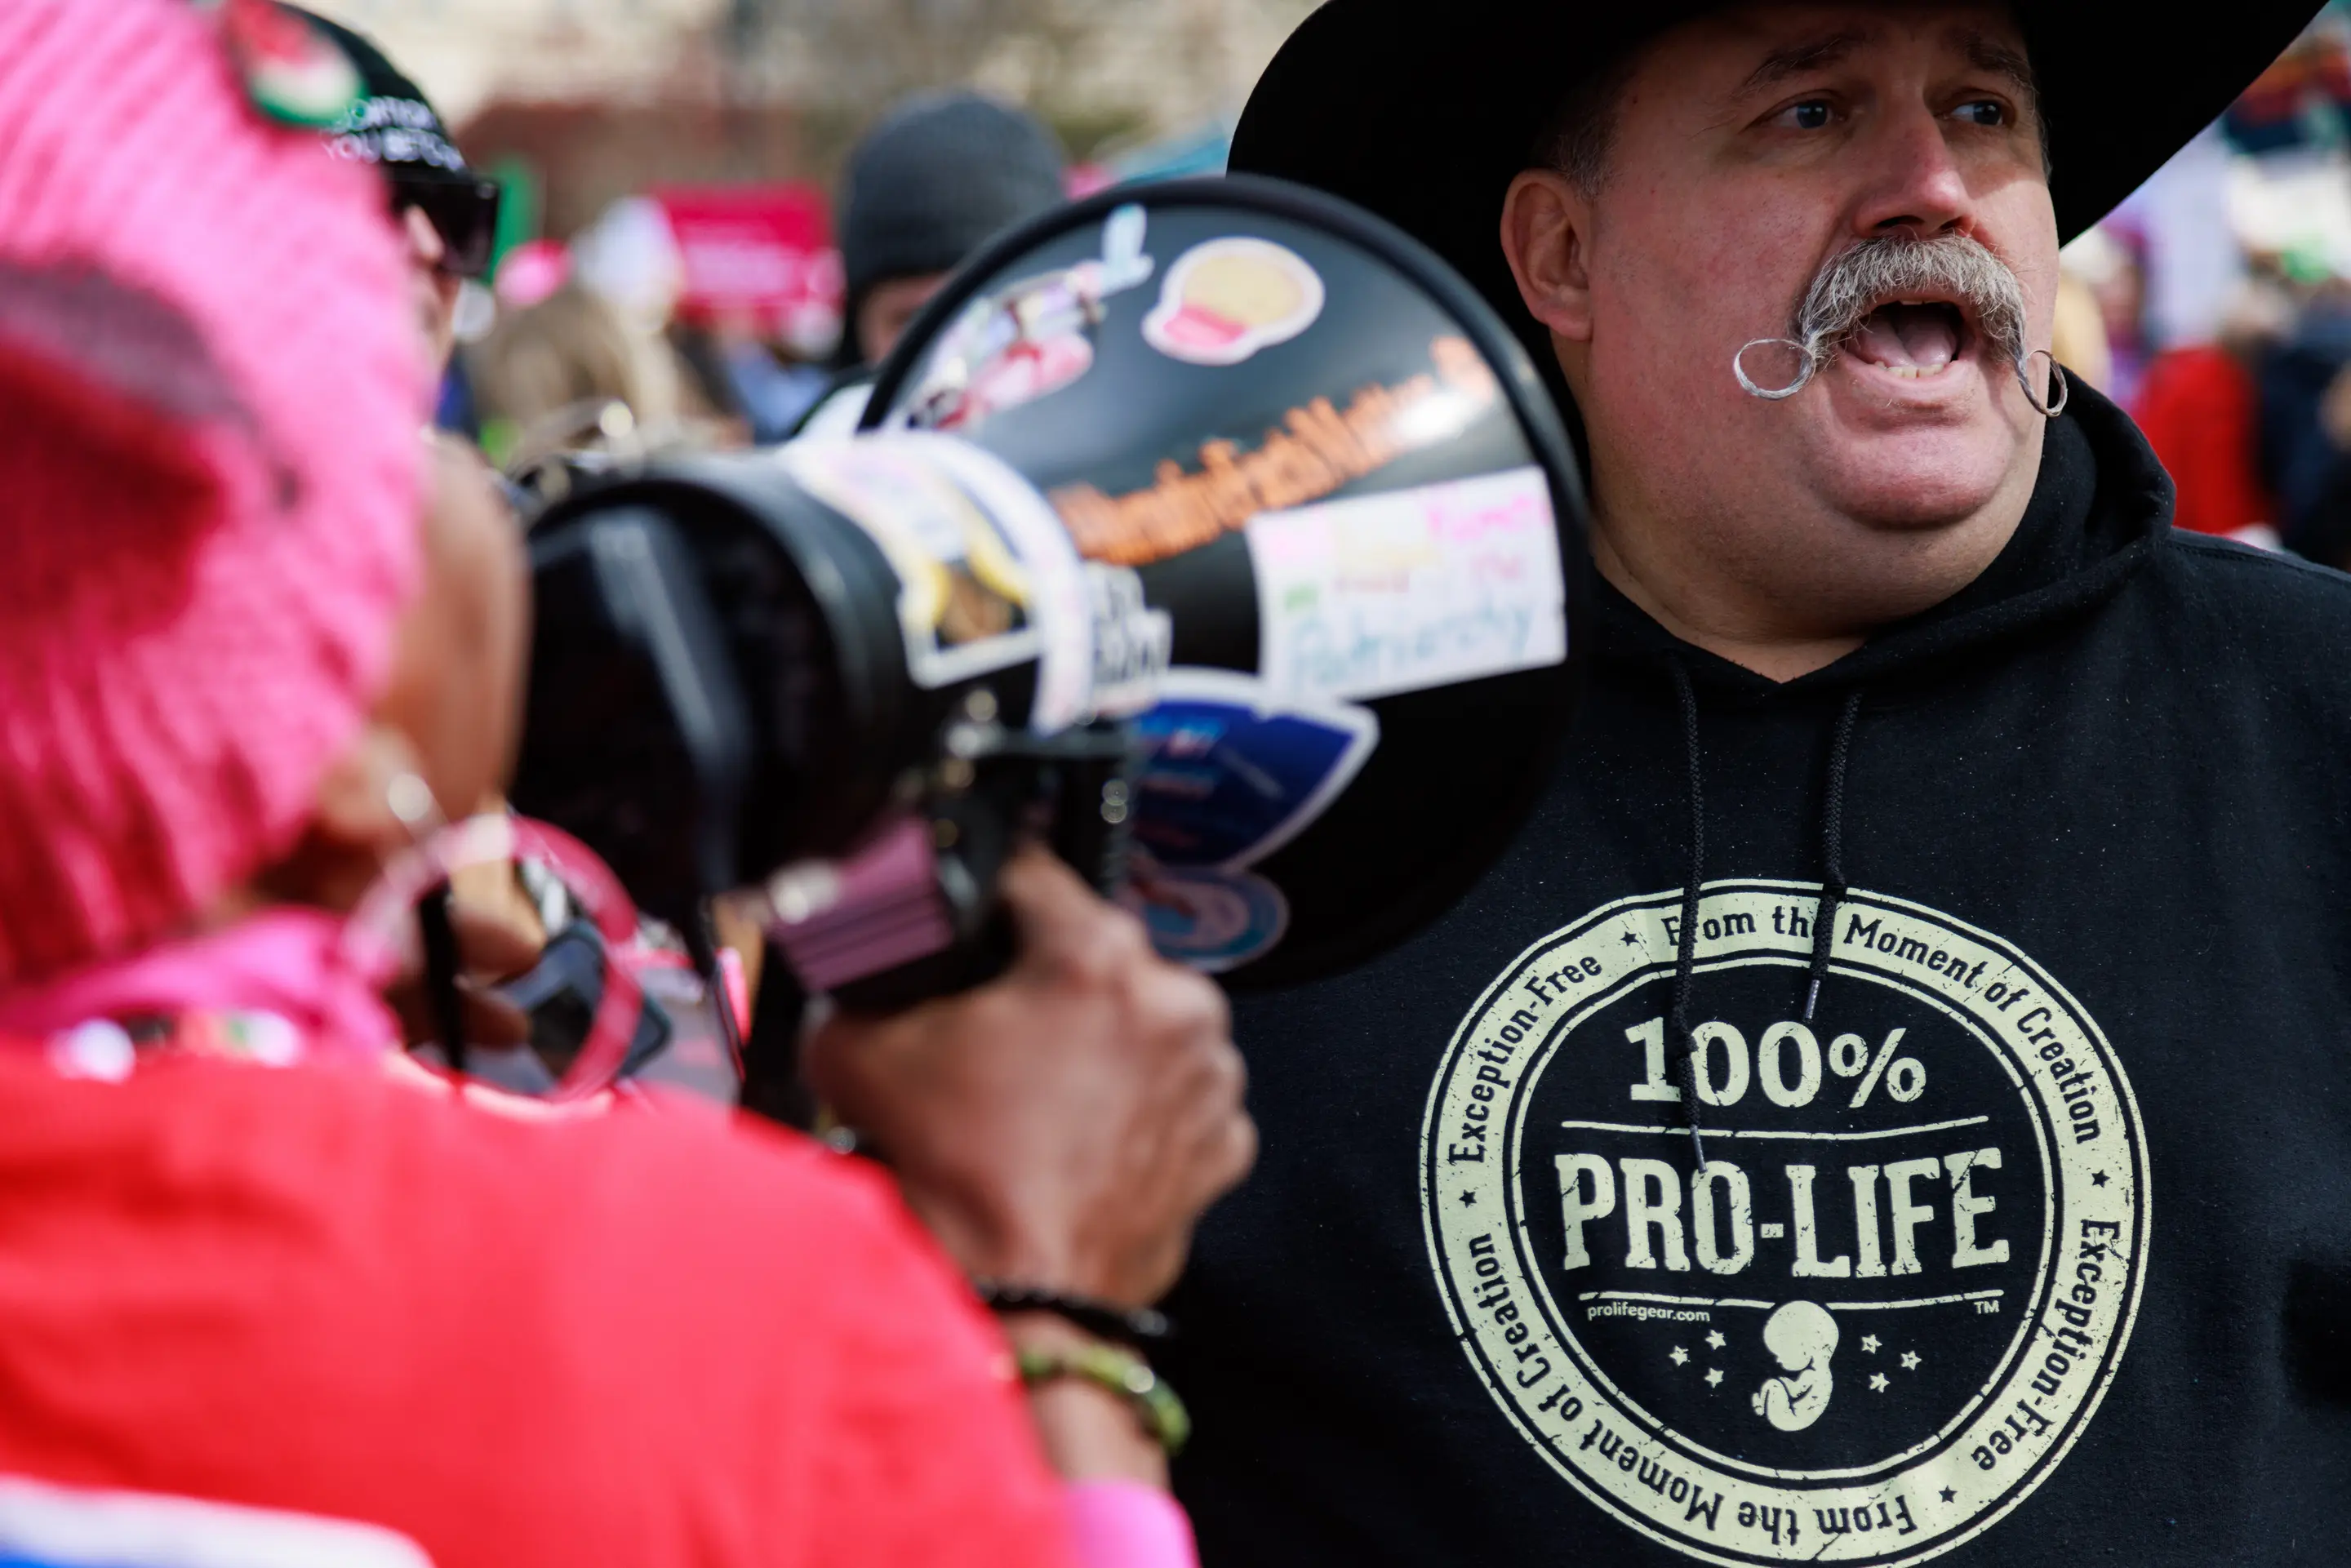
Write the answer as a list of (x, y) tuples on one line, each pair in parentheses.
[(1686, 943), (1832, 884)]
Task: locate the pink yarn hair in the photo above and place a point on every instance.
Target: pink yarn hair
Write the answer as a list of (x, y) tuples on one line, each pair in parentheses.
[(209, 471)]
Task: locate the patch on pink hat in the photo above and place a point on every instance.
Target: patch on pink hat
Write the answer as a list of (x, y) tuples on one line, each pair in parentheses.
[(209, 402)]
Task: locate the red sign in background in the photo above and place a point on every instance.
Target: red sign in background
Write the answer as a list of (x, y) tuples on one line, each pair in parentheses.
[(759, 257)]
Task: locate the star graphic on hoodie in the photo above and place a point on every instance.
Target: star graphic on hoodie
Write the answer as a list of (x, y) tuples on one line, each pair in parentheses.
[(1877, 1383), (1714, 1377), (1681, 1356), (1950, 1496), (1714, 1338), (1468, 1197), (1869, 1343), (2098, 1179), (1909, 1360), (1630, 940)]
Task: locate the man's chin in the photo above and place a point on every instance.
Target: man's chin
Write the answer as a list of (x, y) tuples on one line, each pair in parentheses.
[(1914, 480)]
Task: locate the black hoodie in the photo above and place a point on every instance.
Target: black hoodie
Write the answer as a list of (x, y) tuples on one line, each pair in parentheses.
[(2029, 1243)]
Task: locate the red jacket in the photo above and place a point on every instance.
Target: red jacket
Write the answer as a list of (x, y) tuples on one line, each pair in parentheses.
[(2200, 410), (633, 1340)]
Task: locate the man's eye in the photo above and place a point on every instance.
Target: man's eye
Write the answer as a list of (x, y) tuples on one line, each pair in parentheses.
[(1811, 115), (1983, 111)]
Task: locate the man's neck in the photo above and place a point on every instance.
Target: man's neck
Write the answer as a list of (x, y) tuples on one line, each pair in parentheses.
[(1774, 656)]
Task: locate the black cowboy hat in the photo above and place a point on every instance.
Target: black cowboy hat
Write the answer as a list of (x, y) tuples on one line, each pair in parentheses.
[(1424, 113)]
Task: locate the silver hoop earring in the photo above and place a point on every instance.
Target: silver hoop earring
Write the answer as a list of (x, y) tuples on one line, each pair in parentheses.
[(1771, 394), (2047, 408)]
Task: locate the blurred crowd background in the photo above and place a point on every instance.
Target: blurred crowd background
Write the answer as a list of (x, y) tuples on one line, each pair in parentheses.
[(672, 171), (669, 263)]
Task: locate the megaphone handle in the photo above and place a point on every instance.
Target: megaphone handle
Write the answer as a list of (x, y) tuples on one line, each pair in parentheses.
[(966, 964), (1081, 775), (957, 890)]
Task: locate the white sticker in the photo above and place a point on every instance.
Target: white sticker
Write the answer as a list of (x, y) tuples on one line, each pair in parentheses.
[(1028, 338), (1227, 299), (1060, 593), (1410, 588), (963, 592), (988, 576), (1131, 641)]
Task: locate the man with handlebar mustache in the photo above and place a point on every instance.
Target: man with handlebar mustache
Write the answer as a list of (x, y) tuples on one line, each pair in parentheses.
[(1923, 985)]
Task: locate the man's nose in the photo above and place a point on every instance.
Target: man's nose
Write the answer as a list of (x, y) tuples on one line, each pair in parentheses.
[(1916, 185)]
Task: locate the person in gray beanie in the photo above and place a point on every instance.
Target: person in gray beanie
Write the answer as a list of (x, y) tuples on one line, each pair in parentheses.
[(941, 173)]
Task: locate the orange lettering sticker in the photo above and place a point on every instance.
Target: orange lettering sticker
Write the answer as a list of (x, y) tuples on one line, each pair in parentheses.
[(1315, 451)]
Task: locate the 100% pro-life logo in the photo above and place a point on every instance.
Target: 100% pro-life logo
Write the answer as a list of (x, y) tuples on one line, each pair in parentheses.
[(1878, 1313)]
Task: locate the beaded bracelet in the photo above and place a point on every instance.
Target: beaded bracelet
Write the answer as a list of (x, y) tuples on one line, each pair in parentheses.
[(1164, 1420)]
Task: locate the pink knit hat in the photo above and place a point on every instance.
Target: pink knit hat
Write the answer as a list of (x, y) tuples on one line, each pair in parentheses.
[(209, 467)]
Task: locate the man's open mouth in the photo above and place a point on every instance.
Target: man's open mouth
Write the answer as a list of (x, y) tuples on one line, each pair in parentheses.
[(1911, 338)]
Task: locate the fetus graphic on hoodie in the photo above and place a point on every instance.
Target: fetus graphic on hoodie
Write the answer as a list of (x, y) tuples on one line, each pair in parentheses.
[(1803, 1336)]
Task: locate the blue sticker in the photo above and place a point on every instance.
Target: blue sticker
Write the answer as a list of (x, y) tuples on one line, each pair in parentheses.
[(1231, 773), (1211, 920)]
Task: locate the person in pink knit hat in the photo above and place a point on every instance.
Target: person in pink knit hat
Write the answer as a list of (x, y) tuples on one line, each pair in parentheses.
[(245, 1265)]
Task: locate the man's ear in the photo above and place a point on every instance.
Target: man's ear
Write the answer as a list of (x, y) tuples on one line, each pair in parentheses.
[(1547, 235)]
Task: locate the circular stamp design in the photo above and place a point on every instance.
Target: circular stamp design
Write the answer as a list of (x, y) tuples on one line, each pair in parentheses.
[(1209, 918), (1880, 1313)]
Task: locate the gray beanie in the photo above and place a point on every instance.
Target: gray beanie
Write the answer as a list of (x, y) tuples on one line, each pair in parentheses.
[(940, 174)]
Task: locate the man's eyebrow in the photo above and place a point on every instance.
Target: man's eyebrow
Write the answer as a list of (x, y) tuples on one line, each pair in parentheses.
[(1795, 59), (1987, 53), (1983, 50)]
